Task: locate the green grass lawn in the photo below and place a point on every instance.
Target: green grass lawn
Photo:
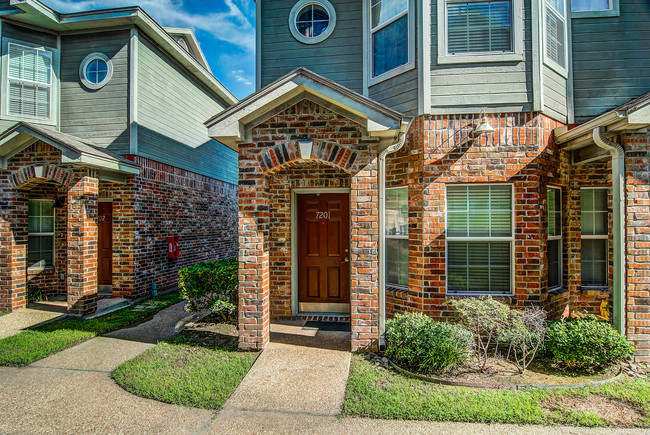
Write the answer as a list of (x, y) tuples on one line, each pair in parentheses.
[(29, 346), (181, 373), (378, 393)]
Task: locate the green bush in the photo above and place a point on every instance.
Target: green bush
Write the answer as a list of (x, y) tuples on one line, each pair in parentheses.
[(211, 286), (585, 344), (416, 342)]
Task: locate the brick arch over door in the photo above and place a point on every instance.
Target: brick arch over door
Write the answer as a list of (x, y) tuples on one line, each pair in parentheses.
[(289, 154), (28, 176)]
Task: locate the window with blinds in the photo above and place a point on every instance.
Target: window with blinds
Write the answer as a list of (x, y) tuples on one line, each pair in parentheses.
[(594, 215), (484, 26), (556, 33), (479, 239), (554, 244), (29, 76), (397, 237), (40, 239)]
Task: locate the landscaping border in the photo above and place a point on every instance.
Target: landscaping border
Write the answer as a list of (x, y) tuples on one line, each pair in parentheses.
[(503, 386)]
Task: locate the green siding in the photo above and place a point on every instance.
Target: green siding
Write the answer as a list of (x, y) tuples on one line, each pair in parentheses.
[(28, 35), (171, 111), (611, 59), (555, 94), (470, 87), (339, 57), (399, 93), (99, 115)]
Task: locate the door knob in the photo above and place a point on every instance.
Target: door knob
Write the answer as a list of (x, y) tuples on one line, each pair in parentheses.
[(347, 260)]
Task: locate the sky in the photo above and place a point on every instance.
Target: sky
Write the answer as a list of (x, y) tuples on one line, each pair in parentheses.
[(225, 30)]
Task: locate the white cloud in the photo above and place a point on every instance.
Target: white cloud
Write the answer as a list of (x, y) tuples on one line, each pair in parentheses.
[(238, 75), (232, 25)]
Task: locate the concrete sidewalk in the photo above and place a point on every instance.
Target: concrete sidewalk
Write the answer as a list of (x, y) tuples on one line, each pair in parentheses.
[(16, 322), (293, 388)]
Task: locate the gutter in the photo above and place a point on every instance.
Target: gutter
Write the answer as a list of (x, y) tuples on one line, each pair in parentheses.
[(618, 192), (382, 227)]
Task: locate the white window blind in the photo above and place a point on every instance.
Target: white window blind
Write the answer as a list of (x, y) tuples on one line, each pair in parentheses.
[(554, 245), (40, 245), (594, 229), (479, 238), (479, 27), (556, 32), (397, 240), (29, 82)]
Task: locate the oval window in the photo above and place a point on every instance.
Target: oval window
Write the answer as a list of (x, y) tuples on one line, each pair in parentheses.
[(312, 21), (96, 70)]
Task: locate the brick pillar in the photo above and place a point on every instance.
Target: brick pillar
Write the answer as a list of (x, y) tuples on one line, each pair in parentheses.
[(637, 157), (364, 238), (254, 288), (82, 246), (13, 250)]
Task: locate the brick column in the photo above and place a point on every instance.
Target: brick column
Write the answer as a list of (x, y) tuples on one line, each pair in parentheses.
[(637, 157), (13, 250), (254, 280), (82, 246)]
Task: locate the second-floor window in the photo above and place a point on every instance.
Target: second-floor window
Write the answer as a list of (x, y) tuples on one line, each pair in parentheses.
[(555, 29), (29, 77), (390, 36)]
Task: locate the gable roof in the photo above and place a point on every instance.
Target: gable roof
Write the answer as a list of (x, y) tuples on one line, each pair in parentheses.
[(35, 13), (74, 150), (235, 124)]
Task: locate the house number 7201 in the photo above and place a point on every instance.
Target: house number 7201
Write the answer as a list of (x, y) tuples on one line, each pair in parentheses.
[(322, 215)]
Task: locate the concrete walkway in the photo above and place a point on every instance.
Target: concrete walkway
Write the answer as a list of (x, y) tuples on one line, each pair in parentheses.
[(293, 388), (13, 323)]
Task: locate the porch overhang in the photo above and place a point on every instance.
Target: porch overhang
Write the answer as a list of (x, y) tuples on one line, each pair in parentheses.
[(74, 151), (631, 116), (235, 124)]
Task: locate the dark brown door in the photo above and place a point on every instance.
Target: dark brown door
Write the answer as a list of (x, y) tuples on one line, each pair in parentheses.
[(105, 242), (324, 249)]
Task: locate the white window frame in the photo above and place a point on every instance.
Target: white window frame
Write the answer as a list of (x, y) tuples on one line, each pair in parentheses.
[(52, 234), (369, 58), (562, 70), (54, 83), (556, 237), (517, 37), (597, 237), (613, 11), (84, 65), (510, 239), (396, 237), (293, 15)]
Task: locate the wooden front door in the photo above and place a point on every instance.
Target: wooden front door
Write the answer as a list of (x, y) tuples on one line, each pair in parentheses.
[(105, 244), (324, 252)]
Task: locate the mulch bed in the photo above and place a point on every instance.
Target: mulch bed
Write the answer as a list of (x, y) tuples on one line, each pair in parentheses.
[(211, 331)]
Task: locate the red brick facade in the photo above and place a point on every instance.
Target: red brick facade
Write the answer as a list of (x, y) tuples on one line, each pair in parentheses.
[(162, 201)]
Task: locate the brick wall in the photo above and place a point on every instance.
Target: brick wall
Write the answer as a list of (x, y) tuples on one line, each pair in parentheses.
[(637, 159), (439, 151)]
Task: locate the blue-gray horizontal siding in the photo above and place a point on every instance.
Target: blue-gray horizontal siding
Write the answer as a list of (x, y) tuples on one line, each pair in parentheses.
[(172, 109), (470, 87), (399, 93), (100, 115), (28, 35), (555, 94), (611, 59), (339, 57)]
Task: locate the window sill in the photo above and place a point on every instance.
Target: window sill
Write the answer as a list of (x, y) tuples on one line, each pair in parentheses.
[(397, 288), (479, 294), (37, 269), (480, 58), (596, 14), (595, 289), (557, 291)]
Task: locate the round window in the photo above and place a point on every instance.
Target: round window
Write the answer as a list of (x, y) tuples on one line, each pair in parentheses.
[(312, 21), (96, 70)]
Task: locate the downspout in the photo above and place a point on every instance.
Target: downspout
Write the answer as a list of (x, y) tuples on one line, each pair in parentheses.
[(618, 222), (401, 140)]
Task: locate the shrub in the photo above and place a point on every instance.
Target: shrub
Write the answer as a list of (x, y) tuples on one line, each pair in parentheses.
[(525, 336), (211, 286), (416, 342), (586, 344)]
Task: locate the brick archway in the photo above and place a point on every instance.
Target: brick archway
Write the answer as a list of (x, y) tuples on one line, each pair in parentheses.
[(292, 153), (26, 177)]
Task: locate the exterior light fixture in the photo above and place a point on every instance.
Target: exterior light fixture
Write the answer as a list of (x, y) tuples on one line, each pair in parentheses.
[(484, 126), (58, 203)]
